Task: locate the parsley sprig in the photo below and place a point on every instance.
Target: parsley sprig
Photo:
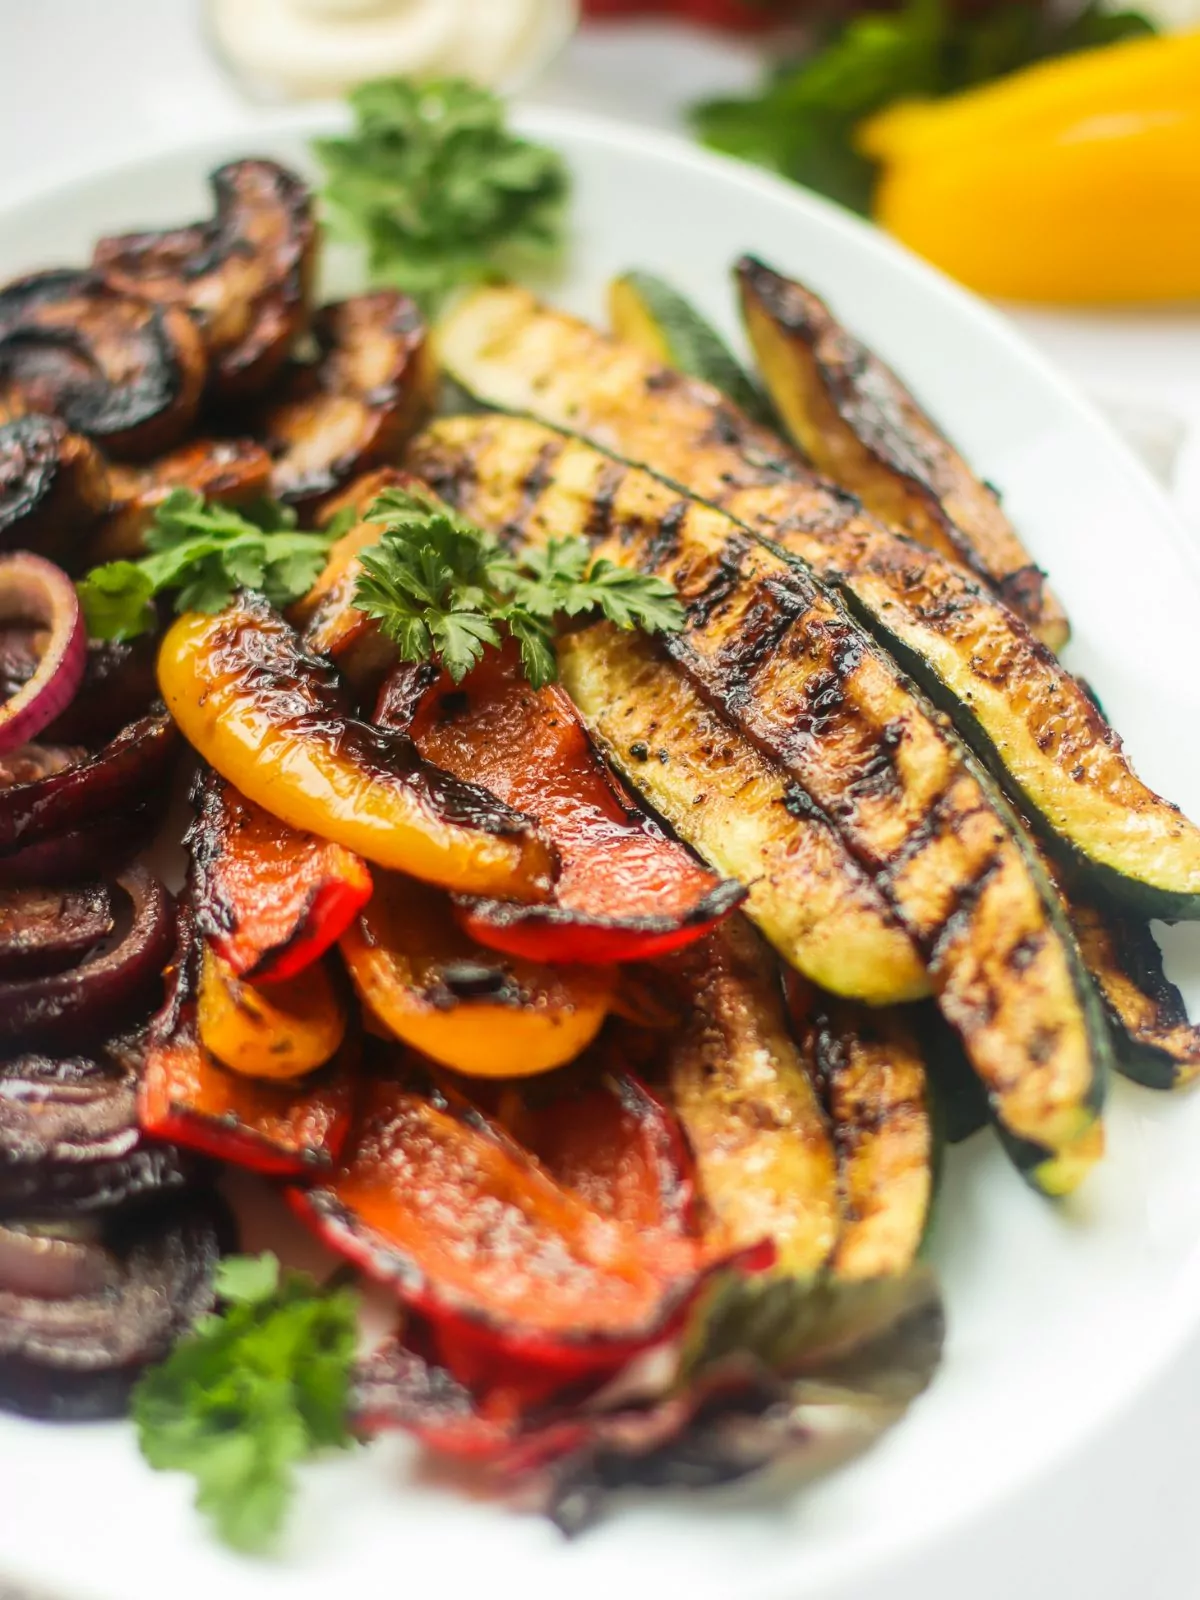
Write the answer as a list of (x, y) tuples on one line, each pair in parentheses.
[(442, 589), (438, 190), (205, 552), (251, 1392)]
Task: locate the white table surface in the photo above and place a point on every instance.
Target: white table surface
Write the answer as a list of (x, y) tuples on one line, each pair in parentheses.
[(86, 81)]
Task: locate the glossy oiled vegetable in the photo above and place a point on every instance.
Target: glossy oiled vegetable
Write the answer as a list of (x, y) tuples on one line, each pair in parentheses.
[(242, 276), (353, 408), (280, 1031), (763, 1148), (1030, 719), (459, 1003), (187, 1096), (859, 425), (270, 900), (743, 814), (275, 722), (871, 1069), (114, 367), (330, 623), (624, 892), (434, 1200), (601, 1132), (783, 661), (1154, 1041)]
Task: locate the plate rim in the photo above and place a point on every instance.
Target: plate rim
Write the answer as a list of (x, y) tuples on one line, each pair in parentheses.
[(1179, 1321)]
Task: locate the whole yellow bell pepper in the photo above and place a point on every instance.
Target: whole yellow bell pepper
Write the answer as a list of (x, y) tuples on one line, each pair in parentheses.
[(1076, 181)]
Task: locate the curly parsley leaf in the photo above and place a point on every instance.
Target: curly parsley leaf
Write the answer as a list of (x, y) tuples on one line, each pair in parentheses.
[(438, 190), (204, 553), (801, 122), (442, 589), (250, 1393)]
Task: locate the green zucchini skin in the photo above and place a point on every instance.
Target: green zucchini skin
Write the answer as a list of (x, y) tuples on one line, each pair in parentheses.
[(1028, 717), (769, 649), (858, 424), (648, 312), (1154, 1044), (871, 1066)]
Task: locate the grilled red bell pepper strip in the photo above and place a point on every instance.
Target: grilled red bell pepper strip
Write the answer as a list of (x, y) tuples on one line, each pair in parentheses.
[(518, 1278), (625, 892), (270, 899), (282, 1129)]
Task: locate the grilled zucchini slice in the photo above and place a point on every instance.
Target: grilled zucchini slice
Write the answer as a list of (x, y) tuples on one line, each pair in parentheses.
[(768, 648), (859, 425), (1025, 715), (871, 1069), (1153, 1041), (742, 815), (749, 1106), (649, 313)]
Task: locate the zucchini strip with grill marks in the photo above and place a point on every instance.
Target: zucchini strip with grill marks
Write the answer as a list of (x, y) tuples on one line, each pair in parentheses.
[(742, 815), (1028, 718), (870, 1067), (858, 424), (768, 647), (749, 1106), (1153, 1042)]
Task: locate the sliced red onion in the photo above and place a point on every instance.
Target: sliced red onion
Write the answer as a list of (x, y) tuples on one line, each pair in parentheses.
[(87, 1002), (33, 589)]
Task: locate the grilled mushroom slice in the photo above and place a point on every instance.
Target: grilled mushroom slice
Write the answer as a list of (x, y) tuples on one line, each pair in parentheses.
[(110, 364), (357, 405), (53, 485), (244, 276), (232, 471), (80, 1317)]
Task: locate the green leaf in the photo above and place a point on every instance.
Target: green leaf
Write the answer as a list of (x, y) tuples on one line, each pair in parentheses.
[(436, 188), (443, 590), (801, 122), (204, 553), (116, 601), (248, 1279), (251, 1393), (536, 644)]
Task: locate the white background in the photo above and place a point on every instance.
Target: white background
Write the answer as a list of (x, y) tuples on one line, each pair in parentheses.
[(84, 81)]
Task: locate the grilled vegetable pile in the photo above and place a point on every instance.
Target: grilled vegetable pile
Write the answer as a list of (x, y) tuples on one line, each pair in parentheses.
[(624, 838)]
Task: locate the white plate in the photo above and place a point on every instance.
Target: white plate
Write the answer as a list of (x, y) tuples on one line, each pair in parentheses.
[(1058, 1316)]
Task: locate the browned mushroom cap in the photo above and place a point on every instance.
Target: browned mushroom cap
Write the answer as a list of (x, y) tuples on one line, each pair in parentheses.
[(245, 276), (112, 366), (232, 471), (53, 485), (358, 404)]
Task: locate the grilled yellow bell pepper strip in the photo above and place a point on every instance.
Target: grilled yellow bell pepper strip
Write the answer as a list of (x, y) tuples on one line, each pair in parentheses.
[(1157, 73), (1064, 184)]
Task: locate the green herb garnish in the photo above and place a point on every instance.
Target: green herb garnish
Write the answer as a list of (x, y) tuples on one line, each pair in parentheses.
[(801, 122), (438, 190), (442, 589), (251, 1392), (205, 553)]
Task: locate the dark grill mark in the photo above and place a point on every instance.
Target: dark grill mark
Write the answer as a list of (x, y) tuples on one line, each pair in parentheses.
[(966, 900), (722, 583), (765, 624), (600, 511), (538, 479), (663, 544)]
